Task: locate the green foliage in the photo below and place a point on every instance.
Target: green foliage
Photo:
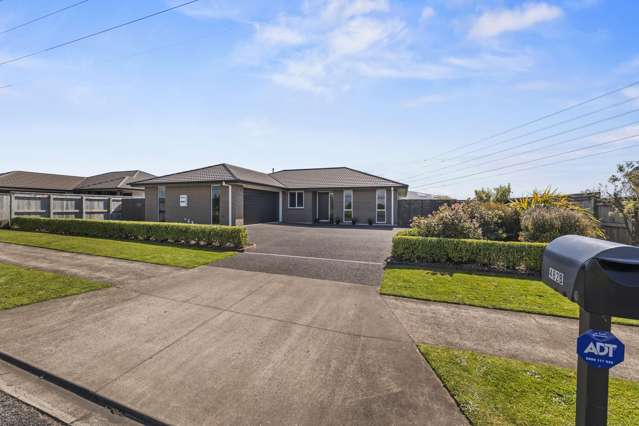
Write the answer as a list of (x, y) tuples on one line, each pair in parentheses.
[(513, 293), (24, 286), (496, 254), (209, 235), (624, 196), (498, 391), (471, 219), (544, 224), (448, 222), (500, 194)]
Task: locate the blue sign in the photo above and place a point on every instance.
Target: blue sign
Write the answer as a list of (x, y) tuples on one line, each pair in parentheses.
[(600, 349)]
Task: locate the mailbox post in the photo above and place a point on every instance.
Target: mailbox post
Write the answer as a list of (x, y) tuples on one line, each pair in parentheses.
[(603, 278)]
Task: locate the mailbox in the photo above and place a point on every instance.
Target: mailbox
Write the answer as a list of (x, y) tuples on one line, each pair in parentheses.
[(601, 276)]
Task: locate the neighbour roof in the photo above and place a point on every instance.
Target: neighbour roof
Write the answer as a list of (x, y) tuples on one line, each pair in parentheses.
[(331, 177), (52, 182), (113, 180), (216, 173), (42, 181)]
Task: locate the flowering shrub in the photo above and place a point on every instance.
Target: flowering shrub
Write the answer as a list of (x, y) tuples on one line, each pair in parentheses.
[(448, 222), (544, 224)]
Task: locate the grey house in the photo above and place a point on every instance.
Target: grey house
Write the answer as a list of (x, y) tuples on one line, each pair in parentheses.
[(232, 195)]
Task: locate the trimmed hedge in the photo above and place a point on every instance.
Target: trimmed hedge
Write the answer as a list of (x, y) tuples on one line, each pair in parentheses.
[(496, 254), (211, 235)]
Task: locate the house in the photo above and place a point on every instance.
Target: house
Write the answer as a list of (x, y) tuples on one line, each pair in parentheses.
[(228, 194), (112, 183)]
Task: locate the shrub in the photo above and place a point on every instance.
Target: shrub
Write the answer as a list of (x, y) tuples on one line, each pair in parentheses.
[(370, 221), (337, 220), (211, 235), (353, 221), (447, 222), (547, 223), (489, 219), (497, 254)]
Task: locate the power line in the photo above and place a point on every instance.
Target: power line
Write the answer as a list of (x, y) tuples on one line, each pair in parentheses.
[(39, 18), (563, 132), (544, 117), (595, 154), (528, 161), (115, 27)]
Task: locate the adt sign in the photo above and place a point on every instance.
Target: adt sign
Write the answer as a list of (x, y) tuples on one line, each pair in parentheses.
[(600, 349)]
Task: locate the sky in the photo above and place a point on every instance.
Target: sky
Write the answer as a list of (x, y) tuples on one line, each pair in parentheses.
[(403, 89)]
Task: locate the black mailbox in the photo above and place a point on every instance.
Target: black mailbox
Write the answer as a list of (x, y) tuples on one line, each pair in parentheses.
[(601, 276)]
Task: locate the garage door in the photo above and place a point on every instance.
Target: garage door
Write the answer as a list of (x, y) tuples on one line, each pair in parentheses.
[(260, 206)]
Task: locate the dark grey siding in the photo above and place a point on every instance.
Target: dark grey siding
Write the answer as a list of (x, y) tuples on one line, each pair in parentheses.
[(260, 206)]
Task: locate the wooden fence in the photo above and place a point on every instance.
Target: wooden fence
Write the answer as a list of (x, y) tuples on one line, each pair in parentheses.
[(69, 206)]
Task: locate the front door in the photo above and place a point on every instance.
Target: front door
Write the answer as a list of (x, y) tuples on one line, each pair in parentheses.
[(323, 206)]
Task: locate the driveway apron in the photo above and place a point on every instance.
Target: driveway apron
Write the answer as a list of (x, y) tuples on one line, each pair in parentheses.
[(224, 346), (345, 254)]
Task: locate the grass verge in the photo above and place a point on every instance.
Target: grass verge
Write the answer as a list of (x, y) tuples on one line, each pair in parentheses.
[(484, 290), (183, 257), (492, 390), (24, 286)]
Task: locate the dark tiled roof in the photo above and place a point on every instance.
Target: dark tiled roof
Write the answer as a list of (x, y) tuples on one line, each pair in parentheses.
[(332, 177), (113, 180), (216, 173), (40, 181)]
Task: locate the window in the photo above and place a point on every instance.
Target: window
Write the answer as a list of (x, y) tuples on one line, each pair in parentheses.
[(184, 200), (348, 205), (381, 206), (215, 205), (296, 200), (162, 203)]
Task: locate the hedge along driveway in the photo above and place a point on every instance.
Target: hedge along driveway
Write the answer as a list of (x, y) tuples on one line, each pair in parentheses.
[(160, 254), (219, 236), (496, 254)]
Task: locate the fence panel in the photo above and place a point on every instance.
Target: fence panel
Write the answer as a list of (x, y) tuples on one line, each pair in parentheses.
[(408, 209), (30, 205)]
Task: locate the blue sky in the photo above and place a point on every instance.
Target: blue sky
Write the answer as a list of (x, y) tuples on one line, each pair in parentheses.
[(385, 86)]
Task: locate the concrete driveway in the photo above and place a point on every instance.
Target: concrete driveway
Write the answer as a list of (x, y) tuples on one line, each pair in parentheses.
[(223, 346), (346, 254)]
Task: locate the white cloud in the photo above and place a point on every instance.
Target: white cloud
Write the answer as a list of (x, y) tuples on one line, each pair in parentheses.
[(256, 126), (427, 13), (360, 34), (488, 61), (343, 9), (629, 66), (427, 100), (493, 23), (535, 85), (279, 34)]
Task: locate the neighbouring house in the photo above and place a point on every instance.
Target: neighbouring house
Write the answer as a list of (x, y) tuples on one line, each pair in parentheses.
[(112, 183), (227, 194)]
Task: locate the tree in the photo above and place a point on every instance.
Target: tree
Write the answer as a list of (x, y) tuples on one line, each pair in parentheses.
[(500, 194), (624, 196)]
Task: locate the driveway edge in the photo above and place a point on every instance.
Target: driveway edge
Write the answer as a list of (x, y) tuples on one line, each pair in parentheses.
[(81, 391)]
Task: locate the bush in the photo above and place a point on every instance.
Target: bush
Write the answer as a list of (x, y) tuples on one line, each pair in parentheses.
[(370, 221), (337, 220), (547, 223), (354, 221), (212, 235), (496, 254), (447, 222)]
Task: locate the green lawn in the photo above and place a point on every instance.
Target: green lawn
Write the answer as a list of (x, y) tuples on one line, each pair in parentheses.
[(488, 291), (184, 257), (499, 391), (24, 286)]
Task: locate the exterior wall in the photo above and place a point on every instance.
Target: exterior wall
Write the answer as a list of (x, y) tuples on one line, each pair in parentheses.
[(151, 204), (199, 203), (238, 205), (304, 215)]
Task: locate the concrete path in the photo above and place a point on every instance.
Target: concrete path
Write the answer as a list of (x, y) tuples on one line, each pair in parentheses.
[(345, 254), (96, 268), (536, 338), (222, 346)]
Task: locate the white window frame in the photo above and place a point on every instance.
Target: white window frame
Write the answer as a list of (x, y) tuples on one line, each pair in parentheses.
[(296, 199), (344, 205), (380, 210)]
